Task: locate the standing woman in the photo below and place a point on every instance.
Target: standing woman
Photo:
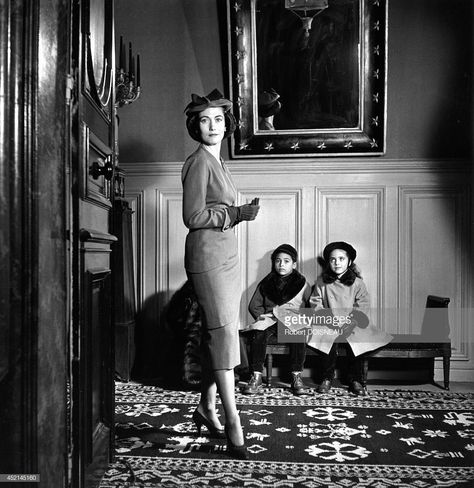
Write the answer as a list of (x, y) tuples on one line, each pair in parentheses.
[(212, 263)]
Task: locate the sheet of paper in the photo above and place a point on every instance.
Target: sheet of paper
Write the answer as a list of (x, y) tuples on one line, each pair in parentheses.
[(282, 313), (260, 324), (368, 339), (322, 338)]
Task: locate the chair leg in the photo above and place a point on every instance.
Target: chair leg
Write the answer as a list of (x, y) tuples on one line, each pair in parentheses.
[(269, 369), (446, 364)]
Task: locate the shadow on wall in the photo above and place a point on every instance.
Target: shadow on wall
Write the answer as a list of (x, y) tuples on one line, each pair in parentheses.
[(168, 347), (168, 343), (136, 150), (264, 266), (451, 128), (156, 352), (452, 123)]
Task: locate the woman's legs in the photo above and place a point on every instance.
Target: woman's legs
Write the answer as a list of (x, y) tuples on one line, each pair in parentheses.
[(222, 381), (220, 344), (207, 402), (225, 381)]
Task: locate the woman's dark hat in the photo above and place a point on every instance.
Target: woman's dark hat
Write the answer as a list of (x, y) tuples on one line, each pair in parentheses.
[(351, 252), (268, 103), (214, 99), (287, 249)]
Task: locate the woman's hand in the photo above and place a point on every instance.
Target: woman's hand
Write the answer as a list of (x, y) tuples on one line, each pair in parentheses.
[(248, 211)]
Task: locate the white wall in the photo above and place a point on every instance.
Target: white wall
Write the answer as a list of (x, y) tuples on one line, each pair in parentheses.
[(409, 221)]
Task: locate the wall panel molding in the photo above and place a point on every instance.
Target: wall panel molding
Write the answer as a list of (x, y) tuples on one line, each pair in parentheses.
[(136, 201), (385, 214), (279, 221), (433, 249), (356, 215), (309, 166), (170, 234)]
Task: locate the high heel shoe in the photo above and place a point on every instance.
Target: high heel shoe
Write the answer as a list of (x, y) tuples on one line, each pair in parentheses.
[(200, 420), (237, 452)]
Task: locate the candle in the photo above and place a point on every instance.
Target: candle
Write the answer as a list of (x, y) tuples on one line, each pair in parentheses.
[(132, 68), (121, 55), (138, 70), (130, 59)]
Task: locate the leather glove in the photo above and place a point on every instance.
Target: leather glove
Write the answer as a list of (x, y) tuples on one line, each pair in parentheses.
[(358, 318), (233, 215), (245, 212), (248, 212)]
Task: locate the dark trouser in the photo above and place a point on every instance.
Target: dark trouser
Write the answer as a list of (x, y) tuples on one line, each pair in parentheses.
[(258, 350), (355, 365)]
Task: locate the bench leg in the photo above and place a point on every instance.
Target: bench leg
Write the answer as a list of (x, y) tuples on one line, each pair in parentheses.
[(365, 370), (269, 369), (432, 371), (446, 364)]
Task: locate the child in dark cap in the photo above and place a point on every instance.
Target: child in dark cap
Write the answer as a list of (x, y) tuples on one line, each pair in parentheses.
[(268, 106), (283, 286), (341, 290)]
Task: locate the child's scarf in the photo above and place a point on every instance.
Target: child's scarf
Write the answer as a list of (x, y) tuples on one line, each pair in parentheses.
[(347, 278), (281, 289)]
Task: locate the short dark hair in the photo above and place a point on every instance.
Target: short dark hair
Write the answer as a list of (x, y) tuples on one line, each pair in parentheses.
[(192, 124), (287, 249)]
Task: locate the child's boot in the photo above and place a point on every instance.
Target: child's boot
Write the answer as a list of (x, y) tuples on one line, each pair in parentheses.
[(297, 385), (255, 383), (325, 386), (358, 388), (358, 383)]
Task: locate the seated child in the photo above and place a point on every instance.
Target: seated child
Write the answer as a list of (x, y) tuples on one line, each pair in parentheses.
[(283, 286), (340, 288)]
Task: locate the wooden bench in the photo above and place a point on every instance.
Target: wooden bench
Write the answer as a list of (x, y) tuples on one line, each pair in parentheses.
[(409, 346)]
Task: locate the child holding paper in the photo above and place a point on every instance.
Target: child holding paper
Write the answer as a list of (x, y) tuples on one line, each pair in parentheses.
[(341, 291), (283, 286)]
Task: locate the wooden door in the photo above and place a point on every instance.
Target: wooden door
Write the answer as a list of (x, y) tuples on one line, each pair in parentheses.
[(93, 161), (56, 155)]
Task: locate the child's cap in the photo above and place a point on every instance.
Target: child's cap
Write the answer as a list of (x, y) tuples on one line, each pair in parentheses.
[(351, 252), (287, 249), (268, 103)]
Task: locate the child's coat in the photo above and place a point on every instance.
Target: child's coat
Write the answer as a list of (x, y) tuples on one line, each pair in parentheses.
[(343, 299)]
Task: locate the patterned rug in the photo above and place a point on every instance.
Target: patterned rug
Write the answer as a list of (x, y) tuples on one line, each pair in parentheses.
[(389, 439)]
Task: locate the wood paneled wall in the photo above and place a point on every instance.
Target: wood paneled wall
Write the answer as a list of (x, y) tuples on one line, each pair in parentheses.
[(409, 221)]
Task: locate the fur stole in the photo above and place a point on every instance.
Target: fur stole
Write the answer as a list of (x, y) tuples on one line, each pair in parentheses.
[(183, 316), (281, 290), (347, 278), (184, 319)]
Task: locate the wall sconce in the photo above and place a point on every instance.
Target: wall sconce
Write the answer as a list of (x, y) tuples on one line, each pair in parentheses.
[(127, 83), (301, 8)]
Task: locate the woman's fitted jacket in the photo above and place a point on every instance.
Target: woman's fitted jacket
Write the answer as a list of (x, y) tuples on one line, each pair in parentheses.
[(208, 191)]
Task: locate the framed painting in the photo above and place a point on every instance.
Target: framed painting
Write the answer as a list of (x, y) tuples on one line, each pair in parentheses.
[(308, 77)]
